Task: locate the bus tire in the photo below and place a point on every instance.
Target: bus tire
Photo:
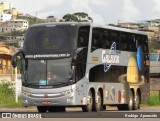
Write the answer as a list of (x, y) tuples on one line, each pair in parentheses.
[(56, 109), (130, 104), (42, 109), (98, 102), (104, 107), (88, 107), (60, 109), (121, 107), (136, 104)]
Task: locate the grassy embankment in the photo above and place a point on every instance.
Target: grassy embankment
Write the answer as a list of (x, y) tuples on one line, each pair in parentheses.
[(7, 96), (153, 100)]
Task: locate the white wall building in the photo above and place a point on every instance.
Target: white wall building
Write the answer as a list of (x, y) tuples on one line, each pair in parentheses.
[(17, 24), (5, 17)]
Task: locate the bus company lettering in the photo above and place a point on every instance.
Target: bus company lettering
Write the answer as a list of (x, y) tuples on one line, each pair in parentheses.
[(110, 58)]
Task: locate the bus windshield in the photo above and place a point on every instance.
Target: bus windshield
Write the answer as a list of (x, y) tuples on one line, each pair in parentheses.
[(50, 39)]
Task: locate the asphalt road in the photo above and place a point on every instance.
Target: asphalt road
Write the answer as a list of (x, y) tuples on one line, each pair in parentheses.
[(111, 112)]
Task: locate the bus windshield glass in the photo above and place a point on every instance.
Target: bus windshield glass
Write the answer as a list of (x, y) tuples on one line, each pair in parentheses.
[(50, 39)]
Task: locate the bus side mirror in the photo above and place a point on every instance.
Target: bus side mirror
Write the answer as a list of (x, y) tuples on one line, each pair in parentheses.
[(14, 61), (14, 58)]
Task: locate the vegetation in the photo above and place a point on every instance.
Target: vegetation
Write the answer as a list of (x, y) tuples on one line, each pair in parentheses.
[(77, 17), (153, 100), (154, 46), (7, 95), (31, 21)]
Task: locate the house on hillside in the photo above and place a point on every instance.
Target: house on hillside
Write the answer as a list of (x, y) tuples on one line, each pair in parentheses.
[(6, 70)]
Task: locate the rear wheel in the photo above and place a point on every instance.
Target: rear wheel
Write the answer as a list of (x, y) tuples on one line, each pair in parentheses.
[(136, 105), (98, 102), (89, 105), (129, 106), (42, 109)]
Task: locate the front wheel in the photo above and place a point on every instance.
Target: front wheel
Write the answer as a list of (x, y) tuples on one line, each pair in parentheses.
[(56, 109), (89, 105)]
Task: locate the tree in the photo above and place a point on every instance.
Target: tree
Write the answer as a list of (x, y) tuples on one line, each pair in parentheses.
[(70, 17), (78, 17)]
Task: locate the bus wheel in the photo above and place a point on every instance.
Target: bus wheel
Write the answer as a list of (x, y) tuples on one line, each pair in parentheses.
[(56, 109), (129, 106), (104, 107), (88, 107), (136, 104), (98, 102), (51, 109), (60, 109), (42, 109), (121, 107)]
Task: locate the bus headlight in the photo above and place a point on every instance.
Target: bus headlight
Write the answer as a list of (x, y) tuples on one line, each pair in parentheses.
[(67, 92)]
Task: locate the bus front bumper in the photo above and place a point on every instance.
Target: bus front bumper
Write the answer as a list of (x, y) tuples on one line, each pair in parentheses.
[(59, 99)]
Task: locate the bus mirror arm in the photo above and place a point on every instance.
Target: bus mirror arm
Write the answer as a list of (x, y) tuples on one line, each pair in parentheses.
[(14, 58)]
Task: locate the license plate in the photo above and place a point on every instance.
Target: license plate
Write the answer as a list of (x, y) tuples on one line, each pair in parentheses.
[(46, 102)]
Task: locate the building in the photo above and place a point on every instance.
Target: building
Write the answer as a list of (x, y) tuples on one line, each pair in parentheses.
[(129, 25), (6, 70), (17, 39), (5, 17), (5, 6), (51, 19), (17, 24), (1, 8)]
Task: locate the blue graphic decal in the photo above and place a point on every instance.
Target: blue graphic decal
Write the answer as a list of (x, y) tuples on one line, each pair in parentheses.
[(111, 58), (140, 58)]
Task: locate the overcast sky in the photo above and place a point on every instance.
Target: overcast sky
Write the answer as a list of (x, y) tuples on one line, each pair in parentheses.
[(102, 11)]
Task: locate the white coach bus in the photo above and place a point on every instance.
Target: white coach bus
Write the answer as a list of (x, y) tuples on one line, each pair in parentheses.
[(83, 65)]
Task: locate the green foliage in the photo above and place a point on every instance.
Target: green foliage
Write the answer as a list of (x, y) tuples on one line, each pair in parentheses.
[(154, 99), (2, 37), (154, 46), (30, 20), (77, 17), (70, 17), (111, 25), (7, 95), (6, 88)]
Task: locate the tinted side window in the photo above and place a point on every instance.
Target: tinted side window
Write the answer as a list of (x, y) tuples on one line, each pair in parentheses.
[(124, 41), (96, 39), (83, 36), (132, 42), (114, 37)]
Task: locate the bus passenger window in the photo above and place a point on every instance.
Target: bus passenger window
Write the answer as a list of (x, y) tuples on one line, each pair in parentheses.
[(105, 40), (132, 43), (96, 39), (83, 36)]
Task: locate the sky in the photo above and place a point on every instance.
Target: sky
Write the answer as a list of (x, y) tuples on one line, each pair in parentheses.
[(102, 11)]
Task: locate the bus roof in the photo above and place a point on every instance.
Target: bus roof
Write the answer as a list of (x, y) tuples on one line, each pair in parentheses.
[(92, 25)]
